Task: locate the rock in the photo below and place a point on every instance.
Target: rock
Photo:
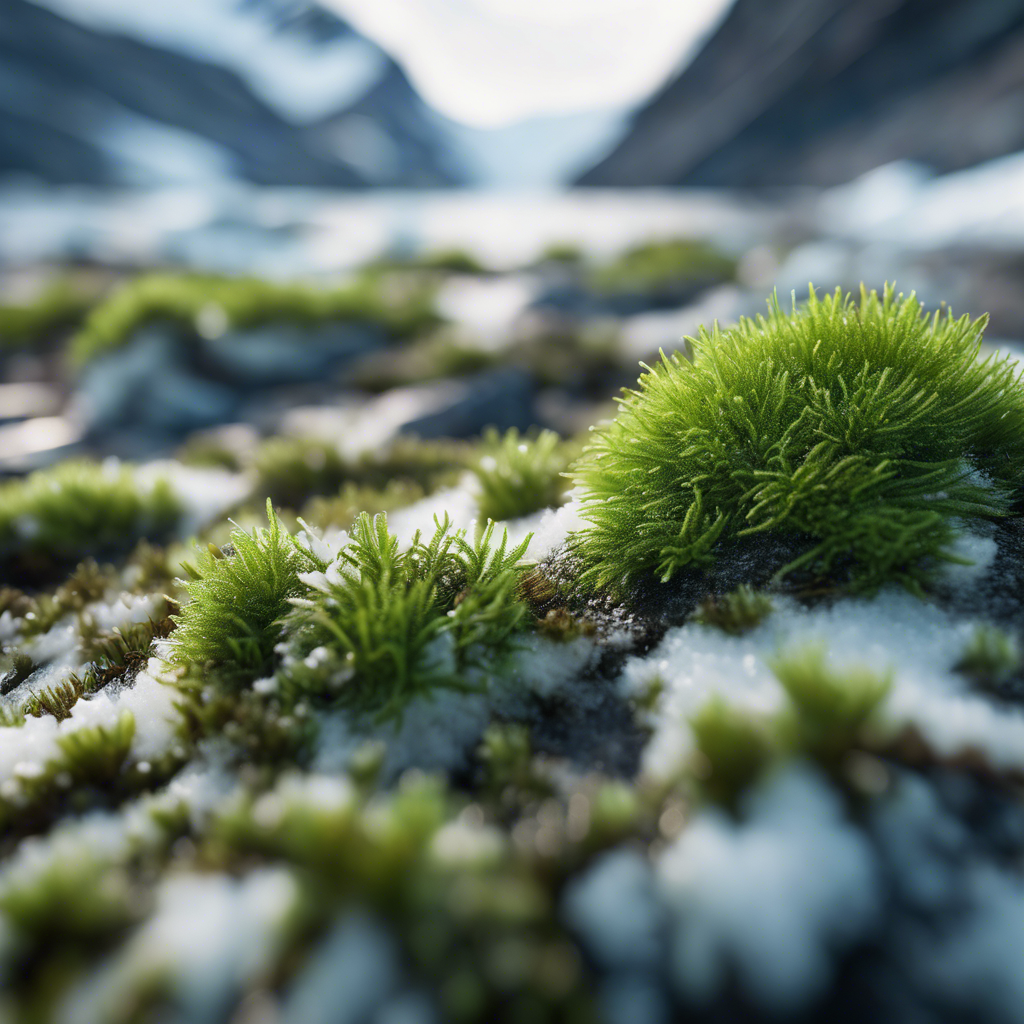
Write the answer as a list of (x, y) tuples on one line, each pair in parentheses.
[(819, 91), (286, 354), (147, 384), (501, 399)]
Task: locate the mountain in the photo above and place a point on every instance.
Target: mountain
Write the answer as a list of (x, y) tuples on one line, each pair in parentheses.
[(82, 103), (820, 91)]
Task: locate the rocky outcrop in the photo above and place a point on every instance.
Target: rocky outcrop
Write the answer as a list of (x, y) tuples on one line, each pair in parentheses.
[(819, 91)]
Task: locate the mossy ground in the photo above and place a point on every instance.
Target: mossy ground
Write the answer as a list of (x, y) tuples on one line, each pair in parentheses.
[(187, 740)]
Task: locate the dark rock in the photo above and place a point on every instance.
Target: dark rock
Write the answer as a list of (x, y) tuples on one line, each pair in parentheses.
[(501, 399), (820, 91)]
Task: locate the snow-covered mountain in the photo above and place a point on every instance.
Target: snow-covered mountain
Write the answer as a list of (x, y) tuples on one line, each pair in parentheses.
[(272, 91)]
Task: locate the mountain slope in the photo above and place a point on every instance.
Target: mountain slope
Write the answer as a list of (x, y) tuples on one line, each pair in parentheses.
[(819, 91), (73, 100)]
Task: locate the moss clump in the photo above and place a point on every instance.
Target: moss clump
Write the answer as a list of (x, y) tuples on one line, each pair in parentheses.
[(737, 612), (667, 265), (238, 597), (79, 508), (519, 475), (205, 305), (734, 749), (290, 470), (59, 305), (383, 625), (829, 707), (862, 429), (991, 658)]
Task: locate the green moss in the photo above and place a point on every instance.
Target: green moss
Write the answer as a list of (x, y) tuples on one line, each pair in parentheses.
[(343, 509), (663, 265), (442, 354), (60, 305), (201, 305), (737, 612), (863, 430), (294, 470), (991, 658), (96, 753), (562, 252), (734, 749), (237, 599), (518, 475), (290, 470), (390, 624), (79, 508), (57, 700), (830, 707)]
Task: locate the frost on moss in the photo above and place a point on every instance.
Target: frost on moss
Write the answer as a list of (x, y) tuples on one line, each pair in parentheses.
[(863, 429), (383, 625), (194, 302), (80, 508)]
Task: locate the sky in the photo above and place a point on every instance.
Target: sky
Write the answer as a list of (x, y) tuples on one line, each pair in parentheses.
[(486, 63), (492, 62)]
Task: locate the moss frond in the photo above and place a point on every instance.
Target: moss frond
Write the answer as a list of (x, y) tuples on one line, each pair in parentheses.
[(830, 706), (387, 624), (863, 428), (238, 598), (737, 612), (991, 658), (57, 700), (518, 475), (95, 753), (734, 749)]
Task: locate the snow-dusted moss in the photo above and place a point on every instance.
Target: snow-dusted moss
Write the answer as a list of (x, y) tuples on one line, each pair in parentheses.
[(384, 624)]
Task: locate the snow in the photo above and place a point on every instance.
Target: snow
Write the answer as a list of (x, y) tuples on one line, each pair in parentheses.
[(348, 977), (772, 898), (899, 203), (486, 306), (209, 936), (614, 907), (205, 493), (917, 640)]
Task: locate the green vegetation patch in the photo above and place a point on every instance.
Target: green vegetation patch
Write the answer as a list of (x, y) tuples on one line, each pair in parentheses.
[(519, 474), (207, 306), (863, 429), (382, 624), (238, 596), (59, 305), (79, 508), (663, 265)]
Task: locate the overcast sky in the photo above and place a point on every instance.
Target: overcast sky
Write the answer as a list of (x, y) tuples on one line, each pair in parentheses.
[(490, 62)]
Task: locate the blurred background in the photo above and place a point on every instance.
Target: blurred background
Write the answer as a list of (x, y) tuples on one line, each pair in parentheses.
[(226, 219)]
